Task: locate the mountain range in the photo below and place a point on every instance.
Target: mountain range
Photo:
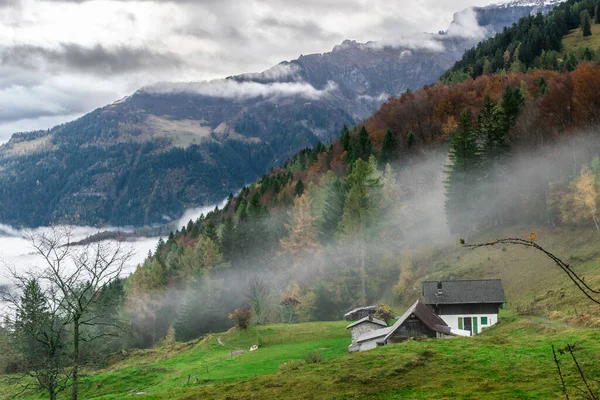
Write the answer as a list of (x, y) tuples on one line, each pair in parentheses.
[(146, 158)]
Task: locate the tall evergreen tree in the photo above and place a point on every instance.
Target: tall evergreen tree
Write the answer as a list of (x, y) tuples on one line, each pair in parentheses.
[(389, 148), (361, 209), (211, 231), (465, 162), (512, 100), (360, 146), (410, 139), (41, 338), (492, 131), (586, 27), (228, 238), (333, 208), (345, 138), (299, 188)]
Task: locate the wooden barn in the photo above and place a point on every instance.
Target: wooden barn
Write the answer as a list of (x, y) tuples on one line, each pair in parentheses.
[(418, 321), (466, 305)]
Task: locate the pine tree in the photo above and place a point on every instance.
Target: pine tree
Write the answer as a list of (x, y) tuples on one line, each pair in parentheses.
[(360, 146), (345, 138), (361, 209), (597, 14), (512, 100), (586, 27), (228, 239), (461, 176), (389, 148), (492, 131), (211, 231), (543, 86), (410, 139), (40, 338), (255, 209), (333, 208), (299, 188)]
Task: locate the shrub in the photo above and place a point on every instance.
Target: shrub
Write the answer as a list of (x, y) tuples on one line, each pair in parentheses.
[(384, 312), (241, 317), (291, 365), (314, 357)]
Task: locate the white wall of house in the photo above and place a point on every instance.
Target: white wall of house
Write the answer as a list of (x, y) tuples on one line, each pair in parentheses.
[(452, 320)]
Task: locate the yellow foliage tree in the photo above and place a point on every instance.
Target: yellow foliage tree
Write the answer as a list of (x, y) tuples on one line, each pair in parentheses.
[(580, 204), (302, 231)]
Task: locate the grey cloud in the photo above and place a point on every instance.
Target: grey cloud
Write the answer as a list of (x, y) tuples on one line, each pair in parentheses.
[(305, 28), (97, 59), (8, 3)]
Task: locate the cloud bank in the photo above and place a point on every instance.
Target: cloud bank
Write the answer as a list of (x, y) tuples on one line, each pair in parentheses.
[(67, 57), (228, 88)]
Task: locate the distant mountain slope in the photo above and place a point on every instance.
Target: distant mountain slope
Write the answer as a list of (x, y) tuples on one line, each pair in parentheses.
[(148, 157)]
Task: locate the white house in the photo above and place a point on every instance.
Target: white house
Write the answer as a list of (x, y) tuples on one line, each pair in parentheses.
[(466, 305)]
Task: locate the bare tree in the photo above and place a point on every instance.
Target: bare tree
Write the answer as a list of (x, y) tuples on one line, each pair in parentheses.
[(257, 297), (79, 274), (579, 281)]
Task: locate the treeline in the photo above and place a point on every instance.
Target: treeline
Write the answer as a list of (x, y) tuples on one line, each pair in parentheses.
[(325, 232), (535, 42)]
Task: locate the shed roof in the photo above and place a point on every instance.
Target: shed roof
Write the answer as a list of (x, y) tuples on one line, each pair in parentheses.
[(367, 308), (426, 315), (367, 319), (464, 292), (378, 333)]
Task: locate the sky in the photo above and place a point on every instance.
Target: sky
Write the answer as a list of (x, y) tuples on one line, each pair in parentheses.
[(60, 59)]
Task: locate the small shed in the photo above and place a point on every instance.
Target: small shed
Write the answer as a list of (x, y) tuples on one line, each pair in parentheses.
[(418, 321), (362, 327)]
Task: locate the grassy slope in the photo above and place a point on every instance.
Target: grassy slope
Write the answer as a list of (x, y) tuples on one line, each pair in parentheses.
[(162, 373), (531, 280), (575, 43), (509, 361)]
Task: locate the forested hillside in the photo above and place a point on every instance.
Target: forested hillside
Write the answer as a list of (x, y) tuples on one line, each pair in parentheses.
[(340, 226), (535, 42), (147, 158)]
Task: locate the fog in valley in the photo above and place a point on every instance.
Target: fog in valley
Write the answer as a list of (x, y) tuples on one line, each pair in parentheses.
[(16, 250)]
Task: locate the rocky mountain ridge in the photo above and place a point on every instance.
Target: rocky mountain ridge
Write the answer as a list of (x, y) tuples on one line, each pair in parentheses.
[(144, 159)]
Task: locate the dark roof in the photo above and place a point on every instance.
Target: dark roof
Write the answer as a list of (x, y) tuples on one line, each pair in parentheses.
[(464, 292), (370, 309), (426, 315), (377, 333), (367, 319)]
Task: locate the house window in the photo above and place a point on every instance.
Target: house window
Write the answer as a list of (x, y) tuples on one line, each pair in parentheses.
[(484, 320), (460, 322)]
